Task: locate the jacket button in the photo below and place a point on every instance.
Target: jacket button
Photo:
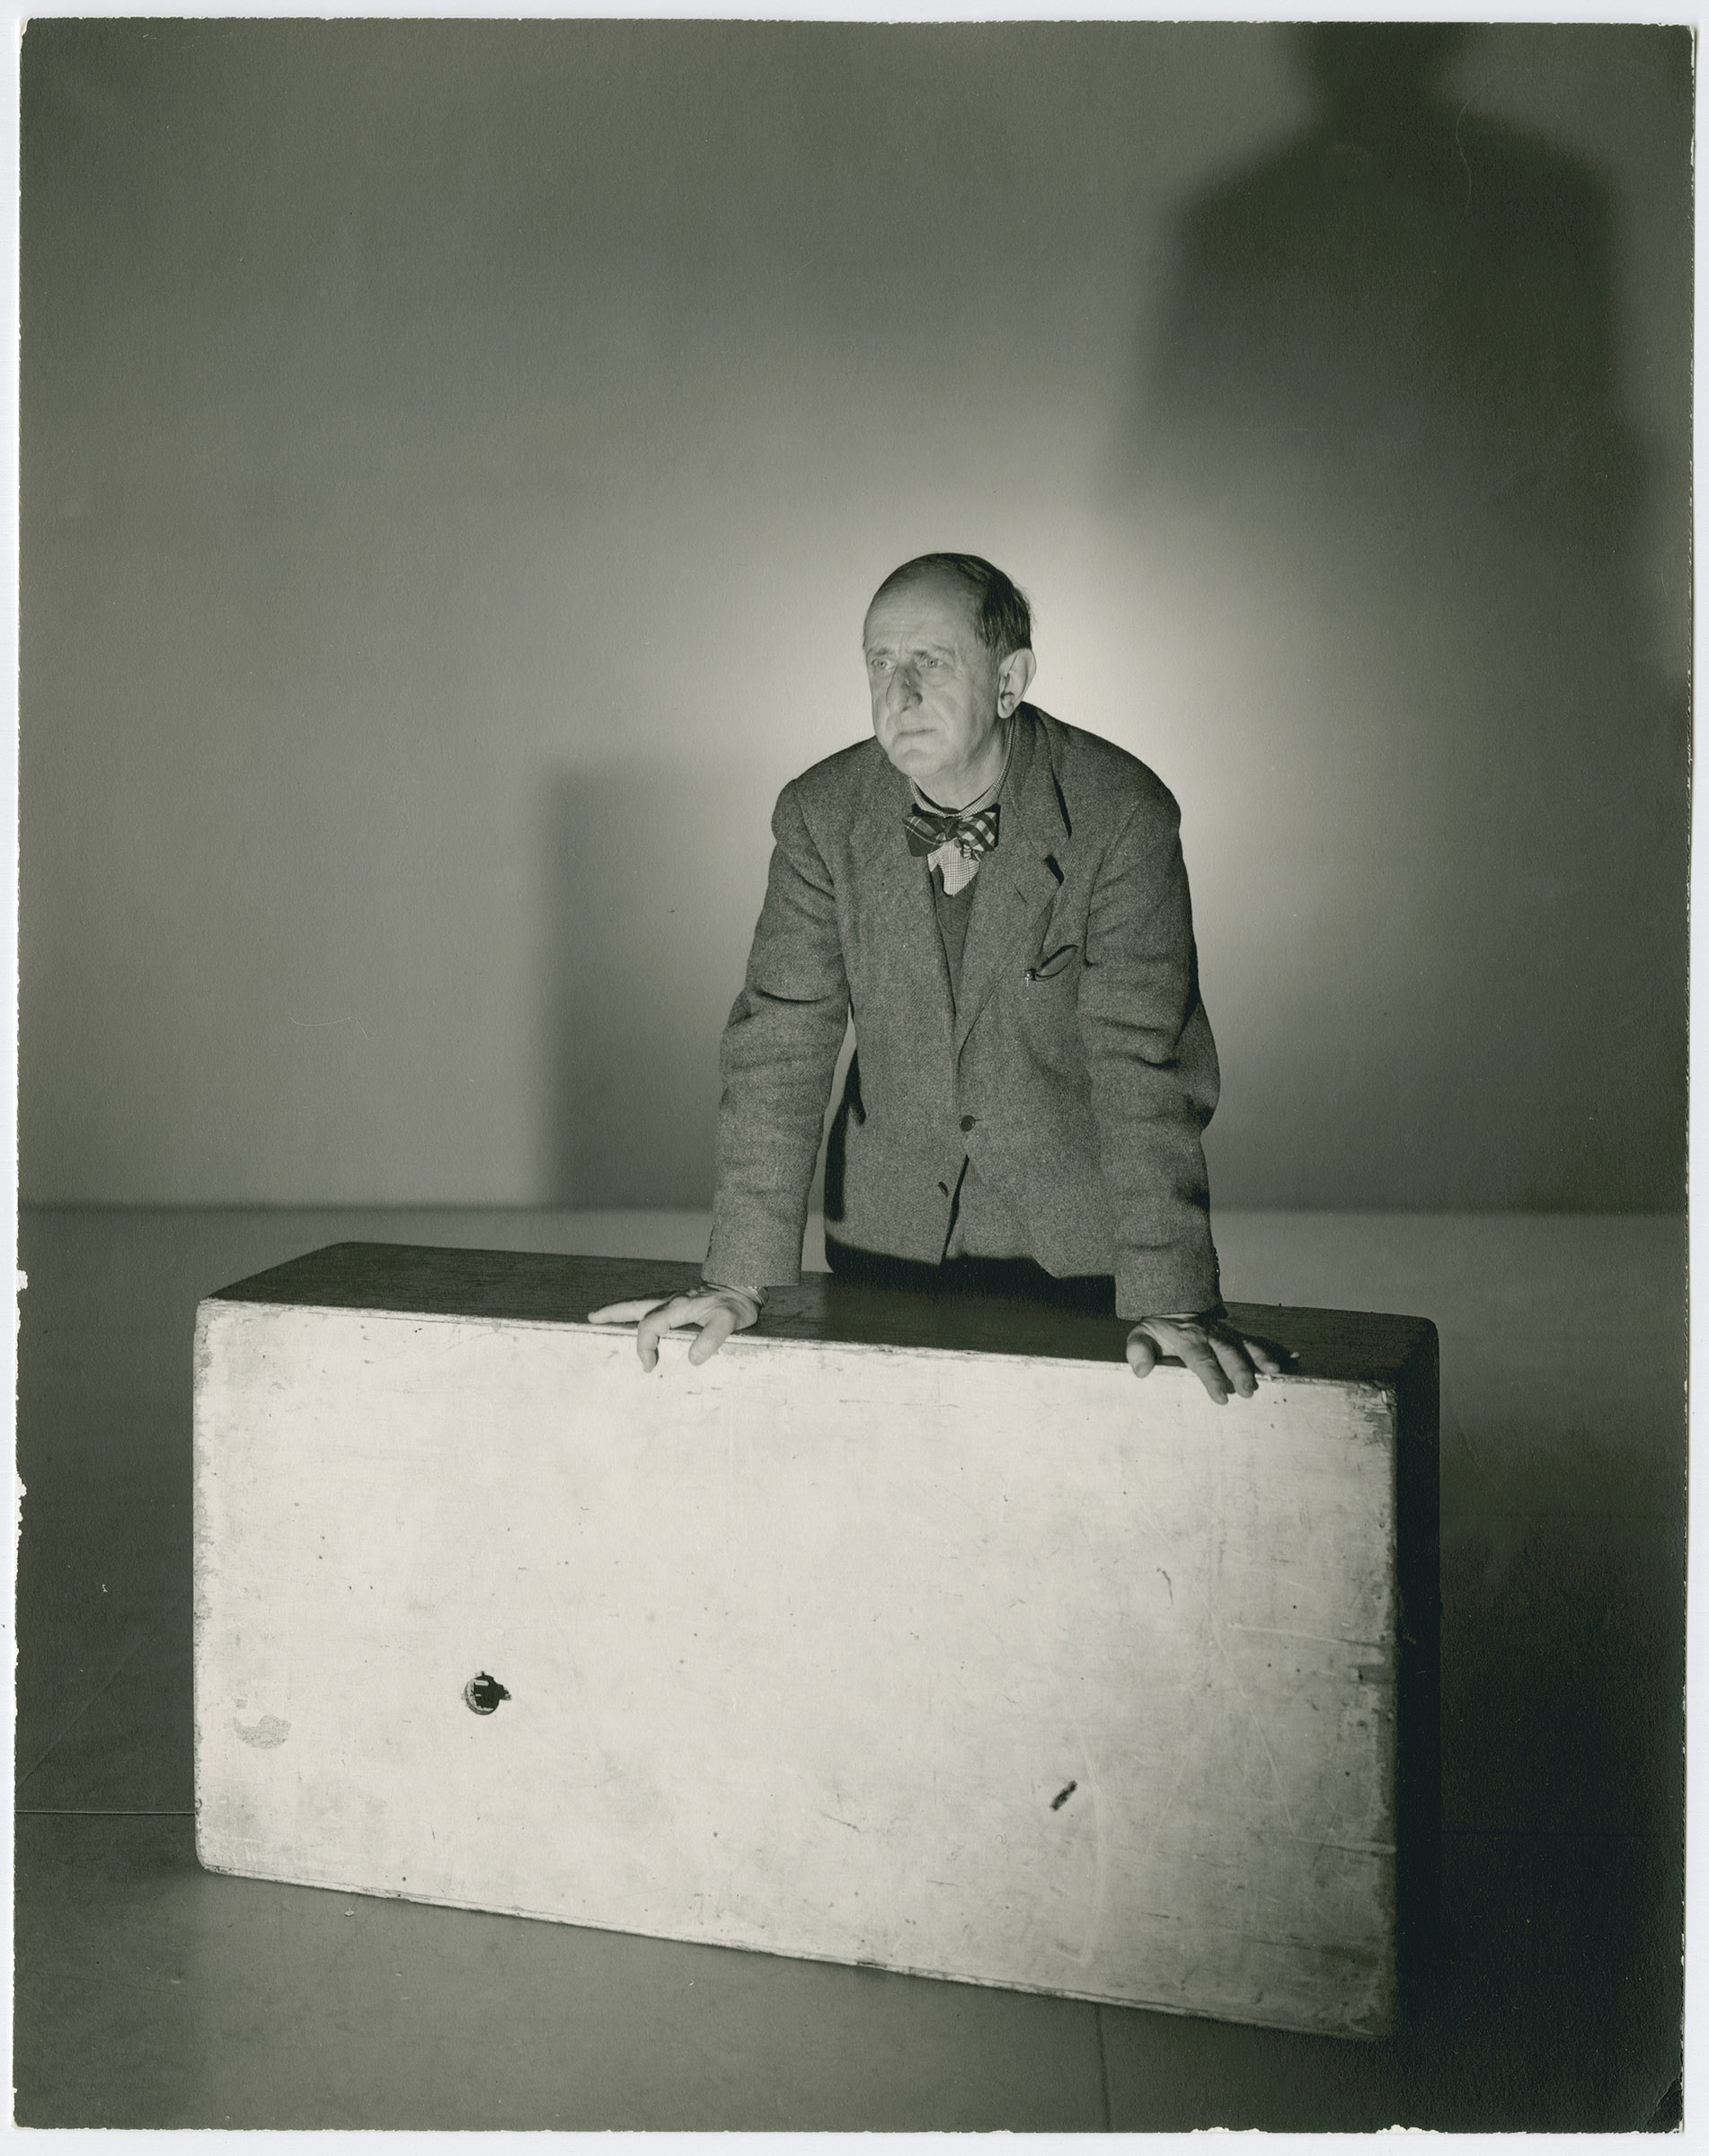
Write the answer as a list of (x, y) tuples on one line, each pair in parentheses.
[(969, 1121)]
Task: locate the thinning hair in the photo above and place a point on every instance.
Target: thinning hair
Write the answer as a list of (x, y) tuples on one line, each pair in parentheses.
[(1001, 614)]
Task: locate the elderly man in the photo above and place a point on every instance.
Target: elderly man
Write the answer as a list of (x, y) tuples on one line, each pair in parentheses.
[(1000, 900)]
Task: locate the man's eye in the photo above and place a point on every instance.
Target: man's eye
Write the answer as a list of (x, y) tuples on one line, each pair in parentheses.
[(877, 666)]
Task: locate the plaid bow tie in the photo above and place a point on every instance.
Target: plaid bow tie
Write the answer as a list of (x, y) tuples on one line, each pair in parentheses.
[(930, 828)]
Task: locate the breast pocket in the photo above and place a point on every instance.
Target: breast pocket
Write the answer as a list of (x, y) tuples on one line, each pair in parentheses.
[(1052, 964)]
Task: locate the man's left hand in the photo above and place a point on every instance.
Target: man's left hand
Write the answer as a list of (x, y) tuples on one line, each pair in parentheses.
[(1221, 1358)]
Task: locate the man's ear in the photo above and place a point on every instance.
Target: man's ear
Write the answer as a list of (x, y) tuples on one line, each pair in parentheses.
[(1012, 677)]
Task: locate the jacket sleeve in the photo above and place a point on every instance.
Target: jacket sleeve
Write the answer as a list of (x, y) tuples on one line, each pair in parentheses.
[(777, 1059), (1153, 1068)]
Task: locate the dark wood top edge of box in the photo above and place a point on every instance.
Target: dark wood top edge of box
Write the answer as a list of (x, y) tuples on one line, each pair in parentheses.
[(543, 1288)]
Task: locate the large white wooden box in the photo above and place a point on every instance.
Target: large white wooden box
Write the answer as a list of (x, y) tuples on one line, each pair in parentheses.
[(905, 1631)]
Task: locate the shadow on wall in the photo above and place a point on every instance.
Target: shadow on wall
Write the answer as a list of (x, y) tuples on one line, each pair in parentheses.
[(654, 890), (650, 913), (1406, 288), (1384, 379)]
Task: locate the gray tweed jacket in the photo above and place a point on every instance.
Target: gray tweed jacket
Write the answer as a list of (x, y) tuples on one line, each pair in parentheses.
[(1076, 1069)]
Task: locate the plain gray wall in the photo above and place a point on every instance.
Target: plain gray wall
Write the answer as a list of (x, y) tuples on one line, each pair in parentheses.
[(456, 460)]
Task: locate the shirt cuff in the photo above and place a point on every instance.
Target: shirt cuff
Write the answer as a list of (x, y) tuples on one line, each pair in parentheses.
[(756, 1295)]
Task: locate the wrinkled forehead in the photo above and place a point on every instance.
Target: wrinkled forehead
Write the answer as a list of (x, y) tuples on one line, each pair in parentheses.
[(930, 607)]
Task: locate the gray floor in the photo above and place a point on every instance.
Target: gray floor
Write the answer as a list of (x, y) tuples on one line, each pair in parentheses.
[(149, 1993)]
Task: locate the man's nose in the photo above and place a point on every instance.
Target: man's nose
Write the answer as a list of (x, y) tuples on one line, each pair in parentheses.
[(903, 688)]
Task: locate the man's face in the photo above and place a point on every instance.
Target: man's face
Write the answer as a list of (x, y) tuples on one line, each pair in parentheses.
[(935, 686)]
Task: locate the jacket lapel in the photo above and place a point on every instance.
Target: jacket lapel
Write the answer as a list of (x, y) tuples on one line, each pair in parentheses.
[(1017, 882), (893, 908)]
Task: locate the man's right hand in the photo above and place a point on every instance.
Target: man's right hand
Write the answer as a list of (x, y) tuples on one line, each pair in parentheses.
[(718, 1312)]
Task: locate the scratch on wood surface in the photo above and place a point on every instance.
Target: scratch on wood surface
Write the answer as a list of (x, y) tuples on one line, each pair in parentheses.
[(1281, 1631), (1101, 1877), (1162, 1811), (1281, 1792)]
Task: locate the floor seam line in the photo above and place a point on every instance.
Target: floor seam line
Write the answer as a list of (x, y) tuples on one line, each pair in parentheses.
[(1557, 1834), (94, 1699), (63, 1811)]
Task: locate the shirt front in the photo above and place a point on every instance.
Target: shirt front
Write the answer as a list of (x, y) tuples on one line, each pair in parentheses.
[(982, 1224)]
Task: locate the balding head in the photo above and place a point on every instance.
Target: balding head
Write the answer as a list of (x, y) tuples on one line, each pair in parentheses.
[(1002, 619)]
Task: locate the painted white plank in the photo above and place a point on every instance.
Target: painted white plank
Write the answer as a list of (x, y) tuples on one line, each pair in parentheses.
[(804, 1647)]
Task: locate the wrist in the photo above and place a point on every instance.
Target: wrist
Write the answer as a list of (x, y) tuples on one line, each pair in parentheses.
[(756, 1295)]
